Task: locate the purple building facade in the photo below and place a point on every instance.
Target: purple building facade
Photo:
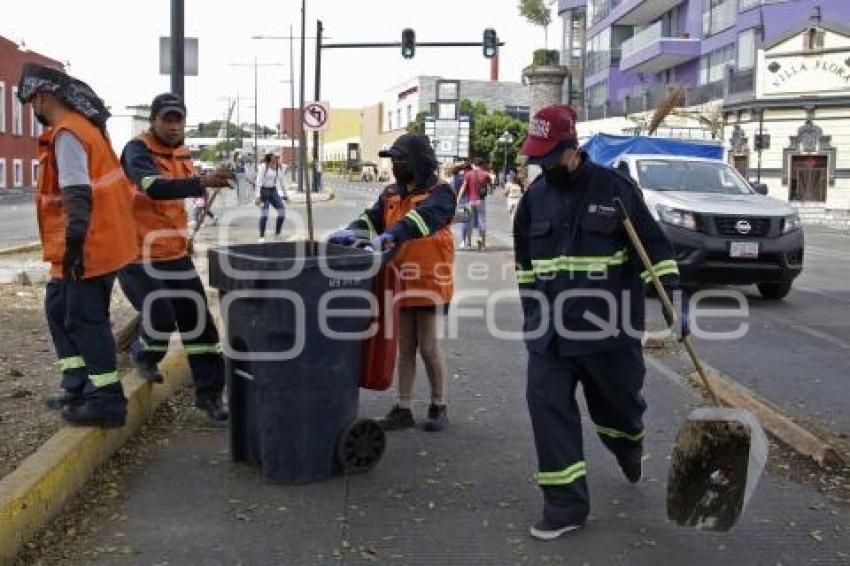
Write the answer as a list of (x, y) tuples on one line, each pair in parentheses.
[(623, 54)]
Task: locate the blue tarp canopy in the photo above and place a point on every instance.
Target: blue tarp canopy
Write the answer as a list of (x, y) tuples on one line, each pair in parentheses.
[(605, 148)]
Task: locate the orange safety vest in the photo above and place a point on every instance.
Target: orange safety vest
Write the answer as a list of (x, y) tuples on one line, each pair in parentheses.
[(110, 240), (425, 265), (162, 224)]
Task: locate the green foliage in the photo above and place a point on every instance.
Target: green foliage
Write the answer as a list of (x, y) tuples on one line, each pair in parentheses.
[(211, 129), (536, 12), (218, 151), (546, 57), (418, 125)]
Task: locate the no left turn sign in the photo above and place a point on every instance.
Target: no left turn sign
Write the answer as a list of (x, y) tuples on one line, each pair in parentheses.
[(317, 116)]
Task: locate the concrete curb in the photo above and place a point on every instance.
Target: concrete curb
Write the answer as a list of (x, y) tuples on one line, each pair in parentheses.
[(772, 419), (300, 198), (40, 486), (21, 248)]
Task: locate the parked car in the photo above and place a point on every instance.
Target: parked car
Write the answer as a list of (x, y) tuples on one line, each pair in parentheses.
[(724, 230)]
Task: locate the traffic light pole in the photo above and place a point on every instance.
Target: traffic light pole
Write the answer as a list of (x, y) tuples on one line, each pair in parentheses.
[(318, 92)]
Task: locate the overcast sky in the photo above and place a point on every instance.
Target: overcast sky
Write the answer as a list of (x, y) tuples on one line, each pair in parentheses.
[(113, 45)]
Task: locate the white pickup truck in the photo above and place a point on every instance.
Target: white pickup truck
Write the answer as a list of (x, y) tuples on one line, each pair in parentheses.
[(724, 230)]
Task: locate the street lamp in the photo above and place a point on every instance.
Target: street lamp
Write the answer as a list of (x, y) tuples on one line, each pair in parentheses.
[(506, 138), (256, 65)]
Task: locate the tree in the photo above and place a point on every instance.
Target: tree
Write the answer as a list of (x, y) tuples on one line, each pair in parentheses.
[(485, 135), (418, 125), (539, 14)]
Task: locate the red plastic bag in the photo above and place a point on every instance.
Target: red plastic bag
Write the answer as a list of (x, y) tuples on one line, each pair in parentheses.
[(379, 351)]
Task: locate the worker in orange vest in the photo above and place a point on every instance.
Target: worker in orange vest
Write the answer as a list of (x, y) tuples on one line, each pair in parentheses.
[(87, 234), (163, 284), (412, 216)]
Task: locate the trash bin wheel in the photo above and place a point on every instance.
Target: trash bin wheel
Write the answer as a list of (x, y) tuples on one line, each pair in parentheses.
[(361, 445)]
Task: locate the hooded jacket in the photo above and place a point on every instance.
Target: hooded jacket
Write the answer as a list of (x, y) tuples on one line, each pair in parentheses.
[(418, 217)]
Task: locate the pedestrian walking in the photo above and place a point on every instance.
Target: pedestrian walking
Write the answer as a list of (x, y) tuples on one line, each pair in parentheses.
[(512, 191), (476, 184), (571, 247), (87, 234), (163, 284), (271, 191), (412, 217)]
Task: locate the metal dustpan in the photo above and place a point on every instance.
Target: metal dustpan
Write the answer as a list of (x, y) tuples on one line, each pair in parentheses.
[(720, 452), (716, 464)]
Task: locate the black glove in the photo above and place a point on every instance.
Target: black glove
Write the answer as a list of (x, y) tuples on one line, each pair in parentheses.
[(73, 264), (683, 314)]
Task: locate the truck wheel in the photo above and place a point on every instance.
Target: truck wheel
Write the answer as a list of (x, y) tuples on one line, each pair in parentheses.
[(361, 445), (774, 291)]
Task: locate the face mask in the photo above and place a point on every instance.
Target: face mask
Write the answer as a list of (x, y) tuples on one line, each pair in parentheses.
[(558, 175), (403, 173)]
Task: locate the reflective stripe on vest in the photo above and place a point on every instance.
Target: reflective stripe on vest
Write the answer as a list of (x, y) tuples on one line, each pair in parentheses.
[(614, 433), (662, 268)]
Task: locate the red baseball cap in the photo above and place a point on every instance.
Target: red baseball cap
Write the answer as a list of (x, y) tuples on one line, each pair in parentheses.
[(552, 127)]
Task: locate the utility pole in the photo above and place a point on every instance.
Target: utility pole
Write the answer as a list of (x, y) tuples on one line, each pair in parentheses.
[(177, 42), (317, 98), (256, 125), (302, 149), (292, 103)]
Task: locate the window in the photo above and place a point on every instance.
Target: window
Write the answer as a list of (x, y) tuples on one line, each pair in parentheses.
[(3, 115), (34, 172), (2, 173), (713, 65), (447, 111), (389, 121), (718, 15), (813, 39), (35, 127), (521, 113), (599, 52), (398, 123), (746, 50), (18, 173), (409, 113), (17, 114), (747, 4), (597, 94)]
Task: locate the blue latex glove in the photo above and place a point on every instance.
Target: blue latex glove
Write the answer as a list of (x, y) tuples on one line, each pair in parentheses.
[(383, 242), (344, 237)]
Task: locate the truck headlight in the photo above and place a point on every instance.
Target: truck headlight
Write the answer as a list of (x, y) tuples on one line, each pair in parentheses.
[(676, 217), (791, 223)]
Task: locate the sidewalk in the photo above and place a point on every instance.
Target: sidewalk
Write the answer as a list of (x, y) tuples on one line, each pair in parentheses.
[(465, 495)]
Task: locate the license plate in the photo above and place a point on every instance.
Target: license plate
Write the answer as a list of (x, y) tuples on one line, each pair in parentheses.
[(744, 249)]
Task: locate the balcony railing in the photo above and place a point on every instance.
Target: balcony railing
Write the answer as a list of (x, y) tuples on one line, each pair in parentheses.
[(641, 40), (598, 61), (720, 17), (742, 82), (601, 8)]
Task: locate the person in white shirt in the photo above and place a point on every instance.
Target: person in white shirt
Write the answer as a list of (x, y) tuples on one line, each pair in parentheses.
[(270, 190), (513, 191)]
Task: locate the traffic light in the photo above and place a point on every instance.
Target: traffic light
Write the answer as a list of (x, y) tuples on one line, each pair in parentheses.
[(408, 43), (491, 43)]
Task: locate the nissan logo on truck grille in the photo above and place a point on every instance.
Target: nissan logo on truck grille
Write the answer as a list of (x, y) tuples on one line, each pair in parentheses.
[(743, 227)]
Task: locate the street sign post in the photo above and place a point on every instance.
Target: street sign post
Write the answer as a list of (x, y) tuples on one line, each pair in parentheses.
[(317, 116)]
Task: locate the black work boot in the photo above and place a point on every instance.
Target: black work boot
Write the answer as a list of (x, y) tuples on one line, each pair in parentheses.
[(547, 530), (632, 465), (213, 407), (397, 419), (437, 418), (146, 369), (57, 401), (104, 410)]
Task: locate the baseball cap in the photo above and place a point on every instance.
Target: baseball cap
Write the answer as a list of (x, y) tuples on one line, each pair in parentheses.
[(167, 102), (552, 130)]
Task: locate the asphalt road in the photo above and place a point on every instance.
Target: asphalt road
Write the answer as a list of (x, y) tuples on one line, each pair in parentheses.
[(465, 496)]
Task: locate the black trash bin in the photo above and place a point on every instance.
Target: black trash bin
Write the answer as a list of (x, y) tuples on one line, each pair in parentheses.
[(295, 418)]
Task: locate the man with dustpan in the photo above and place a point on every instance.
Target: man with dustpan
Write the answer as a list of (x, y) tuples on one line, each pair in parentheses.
[(582, 286)]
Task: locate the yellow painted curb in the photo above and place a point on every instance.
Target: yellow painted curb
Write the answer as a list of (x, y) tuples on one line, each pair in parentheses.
[(37, 490), (20, 249)]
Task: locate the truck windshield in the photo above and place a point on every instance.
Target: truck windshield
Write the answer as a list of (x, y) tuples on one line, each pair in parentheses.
[(690, 176)]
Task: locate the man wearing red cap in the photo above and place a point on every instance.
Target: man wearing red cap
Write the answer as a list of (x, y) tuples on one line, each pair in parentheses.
[(583, 290)]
